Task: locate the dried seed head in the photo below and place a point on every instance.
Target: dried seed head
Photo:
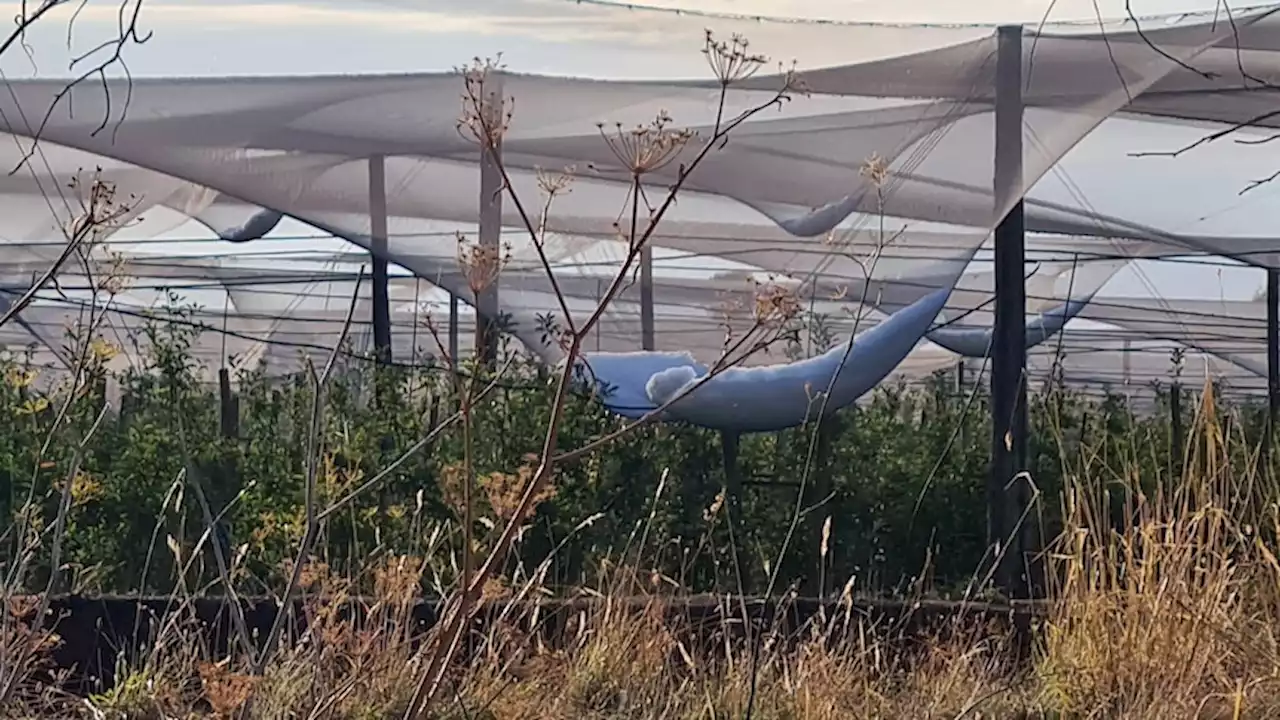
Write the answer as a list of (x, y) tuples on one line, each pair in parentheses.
[(397, 580), (486, 112), (226, 692), (313, 576), (481, 264), (552, 184), (774, 304), (876, 170), (506, 489), (646, 148), (730, 61), (100, 214), (113, 278)]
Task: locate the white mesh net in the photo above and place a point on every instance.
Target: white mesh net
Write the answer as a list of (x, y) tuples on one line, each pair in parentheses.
[(870, 196)]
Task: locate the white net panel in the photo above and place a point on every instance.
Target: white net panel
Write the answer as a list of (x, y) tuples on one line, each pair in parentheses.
[(866, 196)]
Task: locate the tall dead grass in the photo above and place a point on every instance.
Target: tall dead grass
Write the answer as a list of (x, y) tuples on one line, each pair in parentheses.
[(1163, 604)]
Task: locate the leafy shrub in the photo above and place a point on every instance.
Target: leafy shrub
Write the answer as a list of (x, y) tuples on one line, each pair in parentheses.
[(899, 481)]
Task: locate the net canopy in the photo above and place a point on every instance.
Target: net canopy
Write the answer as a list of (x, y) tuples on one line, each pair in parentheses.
[(868, 195)]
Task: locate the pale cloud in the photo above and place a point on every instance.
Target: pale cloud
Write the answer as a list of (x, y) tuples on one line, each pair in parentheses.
[(561, 37), (668, 43), (931, 11), (567, 20), (535, 18)]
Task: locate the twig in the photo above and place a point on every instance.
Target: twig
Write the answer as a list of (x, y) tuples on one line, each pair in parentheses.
[(314, 442), (55, 554), (731, 63), (26, 21), (1211, 137), (99, 209), (127, 26), (1142, 35), (876, 171), (382, 475), (84, 228), (224, 571)]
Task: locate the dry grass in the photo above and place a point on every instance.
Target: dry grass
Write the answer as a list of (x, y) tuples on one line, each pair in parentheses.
[(1162, 606)]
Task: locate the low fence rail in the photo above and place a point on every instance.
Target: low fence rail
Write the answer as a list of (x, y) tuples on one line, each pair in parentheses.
[(96, 634)]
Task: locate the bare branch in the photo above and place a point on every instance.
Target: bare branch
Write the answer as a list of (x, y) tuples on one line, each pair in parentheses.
[(641, 152), (1211, 137), (1142, 35), (1260, 182), (312, 522), (408, 453), (100, 215), (108, 54), (1245, 77)]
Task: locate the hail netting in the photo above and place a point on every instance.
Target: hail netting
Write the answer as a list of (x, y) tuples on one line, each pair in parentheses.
[(789, 196)]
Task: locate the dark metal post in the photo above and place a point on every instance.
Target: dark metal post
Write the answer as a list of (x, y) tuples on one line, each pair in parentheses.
[(819, 492), (1177, 441), (453, 329), (1273, 358), (1008, 535), (1127, 362), (733, 499), (647, 339), (378, 248), (228, 406)]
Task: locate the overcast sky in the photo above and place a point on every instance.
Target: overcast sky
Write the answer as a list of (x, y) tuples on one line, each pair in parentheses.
[(231, 37)]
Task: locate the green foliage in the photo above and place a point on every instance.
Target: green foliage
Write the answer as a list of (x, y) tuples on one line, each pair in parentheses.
[(901, 478)]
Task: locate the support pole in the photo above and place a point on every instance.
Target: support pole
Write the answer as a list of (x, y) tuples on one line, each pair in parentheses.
[(819, 491), (733, 500), (1006, 493), (490, 225), (228, 406), (453, 328), (1177, 438), (1127, 362), (378, 249), (646, 298), (1273, 358)]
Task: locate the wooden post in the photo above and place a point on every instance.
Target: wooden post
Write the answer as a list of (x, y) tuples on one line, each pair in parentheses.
[(491, 189), (647, 339)]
